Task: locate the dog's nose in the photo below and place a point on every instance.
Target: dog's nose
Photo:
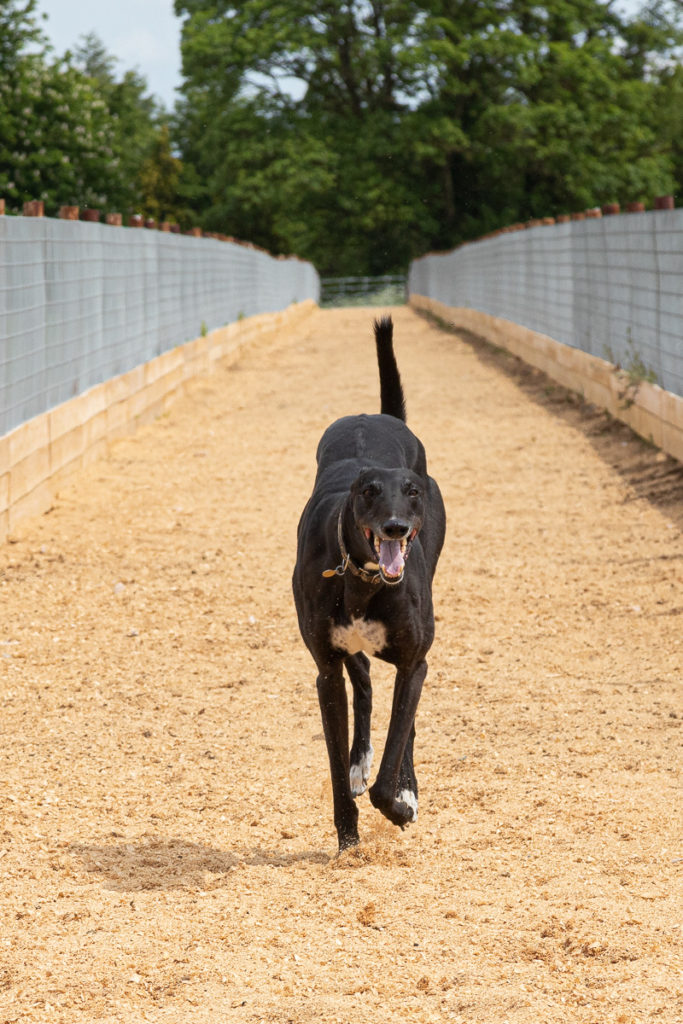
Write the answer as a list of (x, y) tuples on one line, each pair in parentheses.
[(394, 529)]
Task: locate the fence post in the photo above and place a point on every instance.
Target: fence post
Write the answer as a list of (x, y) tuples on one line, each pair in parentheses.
[(34, 208)]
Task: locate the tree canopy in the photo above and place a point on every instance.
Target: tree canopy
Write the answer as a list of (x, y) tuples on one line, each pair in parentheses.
[(71, 131), (360, 133)]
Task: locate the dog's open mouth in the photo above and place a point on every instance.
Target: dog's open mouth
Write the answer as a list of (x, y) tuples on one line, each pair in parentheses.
[(391, 554)]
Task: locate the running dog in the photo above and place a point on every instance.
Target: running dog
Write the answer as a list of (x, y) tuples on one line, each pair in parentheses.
[(369, 539)]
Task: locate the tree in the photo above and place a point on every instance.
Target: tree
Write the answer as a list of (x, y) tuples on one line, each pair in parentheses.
[(19, 30), (555, 113), (669, 107), (56, 138), (71, 132), (159, 177), (138, 126), (370, 130), (331, 171)]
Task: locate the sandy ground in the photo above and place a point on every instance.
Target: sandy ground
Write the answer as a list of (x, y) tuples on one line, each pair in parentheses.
[(168, 852)]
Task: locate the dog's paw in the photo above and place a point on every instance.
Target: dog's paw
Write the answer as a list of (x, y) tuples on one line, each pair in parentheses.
[(396, 810), (347, 842), (360, 773), (407, 797)]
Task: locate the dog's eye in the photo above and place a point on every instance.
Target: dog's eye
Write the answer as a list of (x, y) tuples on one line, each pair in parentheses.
[(370, 491), (413, 491)]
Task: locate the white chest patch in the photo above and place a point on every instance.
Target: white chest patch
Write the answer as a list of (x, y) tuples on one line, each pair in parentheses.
[(360, 635)]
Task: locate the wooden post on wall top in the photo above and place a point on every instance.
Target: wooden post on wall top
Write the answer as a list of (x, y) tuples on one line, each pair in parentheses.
[(2, 207), (34, 208), (664, 203), (68, 212)]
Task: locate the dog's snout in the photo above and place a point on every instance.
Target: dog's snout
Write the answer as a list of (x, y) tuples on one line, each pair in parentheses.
[(394, 529)]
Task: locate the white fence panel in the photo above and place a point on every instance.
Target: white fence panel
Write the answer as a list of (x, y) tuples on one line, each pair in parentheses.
[(83, 302), (611, 286)]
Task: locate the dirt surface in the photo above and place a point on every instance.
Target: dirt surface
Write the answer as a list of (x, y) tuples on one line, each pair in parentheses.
[(168, 852)]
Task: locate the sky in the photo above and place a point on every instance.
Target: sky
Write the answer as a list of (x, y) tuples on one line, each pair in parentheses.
[(143, 34)]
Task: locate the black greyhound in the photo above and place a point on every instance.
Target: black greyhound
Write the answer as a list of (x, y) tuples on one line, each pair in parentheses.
[(368, 543)]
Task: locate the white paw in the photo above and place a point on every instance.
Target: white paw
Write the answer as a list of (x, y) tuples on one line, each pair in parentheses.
[(360, 773), (406, 796)]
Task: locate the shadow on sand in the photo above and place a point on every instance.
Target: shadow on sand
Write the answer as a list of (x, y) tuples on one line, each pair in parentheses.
[(149, 863)]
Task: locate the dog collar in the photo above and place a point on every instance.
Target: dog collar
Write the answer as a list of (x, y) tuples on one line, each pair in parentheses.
[(347, 562)]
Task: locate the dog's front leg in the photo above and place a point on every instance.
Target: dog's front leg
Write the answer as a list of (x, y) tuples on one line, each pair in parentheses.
[(407, 782), (335, 716), (358, 667), (383, 794)]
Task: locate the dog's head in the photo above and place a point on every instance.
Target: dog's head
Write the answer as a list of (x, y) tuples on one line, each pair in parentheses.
[(388, 509)]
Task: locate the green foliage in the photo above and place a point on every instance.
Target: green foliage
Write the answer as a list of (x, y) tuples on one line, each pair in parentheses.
[(363, 133), (668, 103), (71, 132), (330, 175), (356, 134), (58, 140), (19, 29), (158, 176), (149, 173)]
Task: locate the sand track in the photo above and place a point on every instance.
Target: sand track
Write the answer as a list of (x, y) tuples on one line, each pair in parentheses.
[(167, 842)]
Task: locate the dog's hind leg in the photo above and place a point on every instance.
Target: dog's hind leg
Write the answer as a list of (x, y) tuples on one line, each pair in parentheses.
[(335, 716), (384, 793), (407, 780), (358, 667)]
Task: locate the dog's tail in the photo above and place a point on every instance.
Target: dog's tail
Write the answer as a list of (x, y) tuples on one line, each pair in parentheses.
[(391, 391)]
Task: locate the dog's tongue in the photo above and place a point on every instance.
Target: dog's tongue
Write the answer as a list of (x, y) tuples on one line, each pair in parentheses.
[(390, 557)]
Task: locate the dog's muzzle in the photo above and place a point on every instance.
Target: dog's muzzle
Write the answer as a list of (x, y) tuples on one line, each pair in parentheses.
[(391, 548), (391, 553)]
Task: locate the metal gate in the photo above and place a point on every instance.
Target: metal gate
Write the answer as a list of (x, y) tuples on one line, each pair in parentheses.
[(385, 290)]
